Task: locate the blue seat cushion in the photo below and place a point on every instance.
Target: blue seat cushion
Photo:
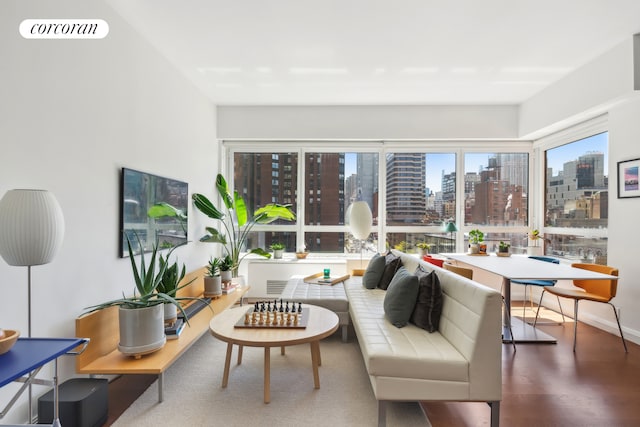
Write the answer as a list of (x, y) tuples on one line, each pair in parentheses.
[(535, 282)]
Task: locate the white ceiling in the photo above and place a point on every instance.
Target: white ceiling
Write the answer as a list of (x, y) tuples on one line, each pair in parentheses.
[(383, 52)]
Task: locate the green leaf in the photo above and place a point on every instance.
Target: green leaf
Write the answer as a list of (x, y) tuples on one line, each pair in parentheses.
[(261, 252), (240, 208), (204, 205), (223, 189), (272, 212), (163, 209), (214, 236)]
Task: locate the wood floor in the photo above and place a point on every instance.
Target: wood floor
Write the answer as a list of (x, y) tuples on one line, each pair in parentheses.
[(544, 385), (550, 385)]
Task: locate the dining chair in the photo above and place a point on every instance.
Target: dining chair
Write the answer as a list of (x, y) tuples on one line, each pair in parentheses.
[(432, 260), (468, 273), (541, 283), (590, 290)]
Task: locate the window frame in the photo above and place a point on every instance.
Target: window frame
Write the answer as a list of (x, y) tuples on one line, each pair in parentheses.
[(229, 147), (569, 135)]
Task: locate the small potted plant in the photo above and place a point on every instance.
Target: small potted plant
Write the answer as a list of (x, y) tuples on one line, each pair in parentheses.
[(278, 250), (212, 281), (503, 248), (423, 249), (170, 284), (226, 266), (476, 237)]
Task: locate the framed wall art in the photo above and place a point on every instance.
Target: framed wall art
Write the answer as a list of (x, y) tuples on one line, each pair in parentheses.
[(139, 191), (628, 174)]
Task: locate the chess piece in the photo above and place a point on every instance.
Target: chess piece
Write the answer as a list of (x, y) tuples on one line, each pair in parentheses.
[(295, 319), (255, 307), (299, 307), (261, 319), (281, 308), (286, 310), (246, 319), (253, 317), (274, 322)]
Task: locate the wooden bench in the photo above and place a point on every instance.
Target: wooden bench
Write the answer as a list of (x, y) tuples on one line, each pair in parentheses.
[(102, 357)]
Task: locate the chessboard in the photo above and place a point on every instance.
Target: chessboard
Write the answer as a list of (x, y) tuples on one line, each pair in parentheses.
[(270, 315)]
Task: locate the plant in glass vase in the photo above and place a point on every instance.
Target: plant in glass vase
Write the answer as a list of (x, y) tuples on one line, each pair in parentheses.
[(237, 223)]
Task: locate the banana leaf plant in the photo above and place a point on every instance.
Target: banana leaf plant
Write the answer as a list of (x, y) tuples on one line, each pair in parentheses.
[(236, 223)]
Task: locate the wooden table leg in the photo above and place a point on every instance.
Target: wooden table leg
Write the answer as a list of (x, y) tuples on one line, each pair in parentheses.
[(315, 359), (267, 373), (240, 354), (227, 364), (282, 350)]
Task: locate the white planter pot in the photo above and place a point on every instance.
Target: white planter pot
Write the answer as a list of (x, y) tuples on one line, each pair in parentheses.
[(170, 314), (473, 248), (141, 330), (534, 250), (212, 286), (225, 276), (277, 253)]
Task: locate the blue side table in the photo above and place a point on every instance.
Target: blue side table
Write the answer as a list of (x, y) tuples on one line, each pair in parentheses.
[(25, 359)]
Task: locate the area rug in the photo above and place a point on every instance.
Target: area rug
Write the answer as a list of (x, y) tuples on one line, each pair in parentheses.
[(193, 393)]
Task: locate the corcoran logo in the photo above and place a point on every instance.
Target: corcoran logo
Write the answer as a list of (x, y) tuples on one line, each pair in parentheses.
[(64, 29)]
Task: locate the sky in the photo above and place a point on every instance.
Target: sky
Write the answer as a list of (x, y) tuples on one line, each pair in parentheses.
[(556, 158)]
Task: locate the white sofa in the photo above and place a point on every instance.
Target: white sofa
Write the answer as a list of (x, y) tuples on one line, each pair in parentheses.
[(459, 362)]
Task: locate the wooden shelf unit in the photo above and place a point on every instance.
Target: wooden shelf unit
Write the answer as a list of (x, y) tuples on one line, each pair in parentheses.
[(102, 357)]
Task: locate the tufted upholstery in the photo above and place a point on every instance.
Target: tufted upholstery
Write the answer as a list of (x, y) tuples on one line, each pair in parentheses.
[(332, 298), (460, 362)]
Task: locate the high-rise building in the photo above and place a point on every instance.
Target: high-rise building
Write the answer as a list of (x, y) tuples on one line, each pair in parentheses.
[(406, 202)]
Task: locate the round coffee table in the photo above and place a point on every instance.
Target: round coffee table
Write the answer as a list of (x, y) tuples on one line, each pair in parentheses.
[(321, 324)]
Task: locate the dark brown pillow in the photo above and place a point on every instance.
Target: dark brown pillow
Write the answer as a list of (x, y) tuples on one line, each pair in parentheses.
[(428, 309), (392, 264)]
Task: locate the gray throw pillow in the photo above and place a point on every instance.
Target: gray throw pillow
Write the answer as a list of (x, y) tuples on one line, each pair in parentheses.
[(392, 264), (428, 308), (374, 271), (400, 298)]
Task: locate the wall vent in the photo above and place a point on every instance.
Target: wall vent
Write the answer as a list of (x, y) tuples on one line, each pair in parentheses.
[(275, 287)]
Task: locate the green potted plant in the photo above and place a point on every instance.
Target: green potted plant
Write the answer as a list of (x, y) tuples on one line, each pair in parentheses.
[(212, 281), (141, 316), (278, 250), (476, 237), (226, 267), (503, 248), (237, 223), (170, 284), (423, 248)]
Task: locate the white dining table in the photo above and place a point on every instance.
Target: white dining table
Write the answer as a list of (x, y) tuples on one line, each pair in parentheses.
[(521, 267)]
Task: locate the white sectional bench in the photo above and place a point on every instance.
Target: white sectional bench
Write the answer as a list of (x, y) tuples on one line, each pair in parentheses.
[(462, 361)]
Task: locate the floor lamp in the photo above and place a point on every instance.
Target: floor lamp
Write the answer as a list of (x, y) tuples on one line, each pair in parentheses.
[(31, 231), (360, 222), (451, 228)]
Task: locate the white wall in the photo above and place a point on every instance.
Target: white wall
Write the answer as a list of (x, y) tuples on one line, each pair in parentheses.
[(72, 113)]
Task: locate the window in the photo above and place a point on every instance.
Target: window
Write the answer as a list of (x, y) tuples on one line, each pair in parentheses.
[(576, 199), (413, 191), (420, 198)]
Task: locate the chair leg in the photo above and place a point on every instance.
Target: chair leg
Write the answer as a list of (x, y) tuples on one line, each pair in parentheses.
[(538, 310), (559, 305), (575, 324), (619, 328)]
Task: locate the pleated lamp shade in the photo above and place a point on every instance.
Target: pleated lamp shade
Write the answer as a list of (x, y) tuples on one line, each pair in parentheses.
[(31, 227), (360, 219)]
